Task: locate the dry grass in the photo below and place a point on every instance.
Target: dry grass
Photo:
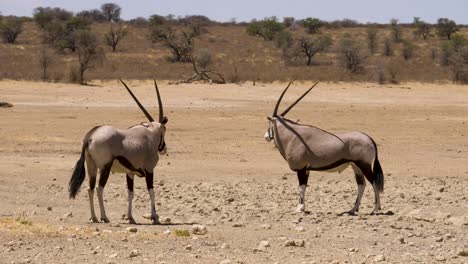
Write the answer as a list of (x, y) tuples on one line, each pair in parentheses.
[(231, 48)]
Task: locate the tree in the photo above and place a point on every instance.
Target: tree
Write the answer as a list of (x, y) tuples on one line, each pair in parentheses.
[(309, 47), (289, 21), (67, 37), (10, 29), (408, 49), (388, 47), (350, 53), (43, 16), (266, 28), (88, 52), (396, 30), (312, 25), (179, 39), (111, 11), (115, 35), (446, 27), (423, 29), (94, 14), (372, 39)]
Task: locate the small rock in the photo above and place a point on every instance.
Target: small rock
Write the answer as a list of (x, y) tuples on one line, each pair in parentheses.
[(167, 232), (294, 243), (134, 253), (297, 220), (401, 240), (299, 229), (199, 230), (442, 189), (166, 220), (379, 258), (439, 239), (5, 105), (188, 247), (49, 208), (67, 215), (238, 225), (266, 226), (113, 255), (226, 261), (463, 253), (353, 250), (131, 229), (263, 244), (440, 257)]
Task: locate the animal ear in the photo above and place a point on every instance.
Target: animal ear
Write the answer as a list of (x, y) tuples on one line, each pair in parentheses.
[(164, 120)]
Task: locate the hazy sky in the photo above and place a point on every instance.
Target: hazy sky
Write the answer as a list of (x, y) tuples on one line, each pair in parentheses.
[(245, 10)]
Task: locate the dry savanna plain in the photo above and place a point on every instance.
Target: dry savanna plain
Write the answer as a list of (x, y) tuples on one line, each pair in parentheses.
[(220, 173)]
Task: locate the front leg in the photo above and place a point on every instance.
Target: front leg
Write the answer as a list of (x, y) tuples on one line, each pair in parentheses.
[(149, 185), (303, 177), (130, 199), (100, 191)]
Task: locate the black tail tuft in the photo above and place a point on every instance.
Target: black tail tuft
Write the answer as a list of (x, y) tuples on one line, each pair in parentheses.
[(78, 175), (378, 173)]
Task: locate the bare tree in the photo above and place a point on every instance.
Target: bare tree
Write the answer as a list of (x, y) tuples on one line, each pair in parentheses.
[(45, 60), (88, 52), (204, 74), (10, 29), (309, 47), (178, 39), (111, 11), (115, 35), (351, 54)]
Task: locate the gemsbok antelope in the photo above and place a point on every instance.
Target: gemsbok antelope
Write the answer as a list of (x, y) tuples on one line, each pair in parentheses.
[(134, 151), (308, 148)]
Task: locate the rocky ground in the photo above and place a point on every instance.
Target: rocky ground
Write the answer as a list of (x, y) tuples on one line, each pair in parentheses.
[(225, 195)]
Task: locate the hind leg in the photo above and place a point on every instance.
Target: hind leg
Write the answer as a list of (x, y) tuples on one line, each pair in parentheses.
[(130, 199), (361, 182), (100, 191), (303, 177), (150, 186), (369, 174), (92, 172)]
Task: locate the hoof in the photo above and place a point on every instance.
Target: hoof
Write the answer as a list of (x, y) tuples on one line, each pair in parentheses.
[(155, 220), (300, 208), (131, 221), (94, 220), (105, 220), (350, 213)]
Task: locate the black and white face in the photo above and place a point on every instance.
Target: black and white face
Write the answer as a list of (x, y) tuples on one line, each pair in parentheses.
[(269, 133), (161, 127)]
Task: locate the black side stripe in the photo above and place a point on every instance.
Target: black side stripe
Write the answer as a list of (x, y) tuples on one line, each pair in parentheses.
[(126, 163)]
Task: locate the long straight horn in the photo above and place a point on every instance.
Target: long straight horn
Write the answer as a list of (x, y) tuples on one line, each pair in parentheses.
[(297, 101), (161, 112), (150, 118), (275, 112)]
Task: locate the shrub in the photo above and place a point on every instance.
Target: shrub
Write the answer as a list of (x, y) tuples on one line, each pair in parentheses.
[(283, 39), (372, 39), (203, 59), (266, 28), (289, 21), (10, 29), (94, 15), (446, 27), (115, 35), (388, 47), (423, 29), (408, 49), (312, 25), (459, 65), (396, 31), (351, 54), (45, 60)]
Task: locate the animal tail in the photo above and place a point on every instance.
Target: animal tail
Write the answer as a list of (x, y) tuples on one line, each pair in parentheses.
[(378, 173), (79, 173)]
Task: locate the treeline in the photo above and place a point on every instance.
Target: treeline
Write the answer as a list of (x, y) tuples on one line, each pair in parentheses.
[(298, 41)]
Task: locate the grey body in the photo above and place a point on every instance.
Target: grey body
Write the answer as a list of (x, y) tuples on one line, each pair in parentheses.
[(133, 151), (307, 148)]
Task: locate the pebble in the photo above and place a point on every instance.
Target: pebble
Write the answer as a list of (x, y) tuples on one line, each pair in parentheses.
[(238, 225), (379, 258), (226, 261), (131, 229), (299, 229), (67, 215), (134, 253), (439, 239), (263, 244), (294, 243), (199, 229), (463, 253), (167, 232), (440, 257), (188, 247), (49, 208), (113, 255), (266, 226)]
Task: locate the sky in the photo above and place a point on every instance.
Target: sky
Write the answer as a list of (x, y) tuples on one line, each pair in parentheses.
[(244, 10)]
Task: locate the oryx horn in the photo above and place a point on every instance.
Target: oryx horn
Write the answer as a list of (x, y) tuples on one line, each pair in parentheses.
[(297, 101), (150, 118), (275, 112), (161, 113)]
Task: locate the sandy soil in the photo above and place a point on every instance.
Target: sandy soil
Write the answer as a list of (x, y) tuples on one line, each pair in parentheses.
[(221, 173)]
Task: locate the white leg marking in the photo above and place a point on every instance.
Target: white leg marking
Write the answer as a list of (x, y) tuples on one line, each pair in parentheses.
[(129, 211), (154, 216), (91, 205), (361, 188), (377, 201), (301, 205), (100, 193)]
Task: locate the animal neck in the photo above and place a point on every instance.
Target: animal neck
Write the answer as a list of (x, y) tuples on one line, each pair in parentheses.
[(279, 137)]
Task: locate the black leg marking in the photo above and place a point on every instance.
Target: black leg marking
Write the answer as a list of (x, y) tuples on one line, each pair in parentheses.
[(303, 177), (149, 180), (366, 170), (104, 175), (92, 182), (129, 183)]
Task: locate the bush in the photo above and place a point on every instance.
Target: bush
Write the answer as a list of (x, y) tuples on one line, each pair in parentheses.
[(408, 49), (10, 29), (446, 27), (289, 21), (396, 31), (372, 39), (94, 15), (203, 59), (266, 28), (351, 54), (312, 25), (459, 65), (283, 40), (423, 29), (388, 47)]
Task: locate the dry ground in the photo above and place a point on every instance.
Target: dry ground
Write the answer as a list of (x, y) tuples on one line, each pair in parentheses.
[(222, 174)]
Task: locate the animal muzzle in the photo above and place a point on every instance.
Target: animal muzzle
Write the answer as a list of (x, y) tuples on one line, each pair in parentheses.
[(267, 136), (162, 148)]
